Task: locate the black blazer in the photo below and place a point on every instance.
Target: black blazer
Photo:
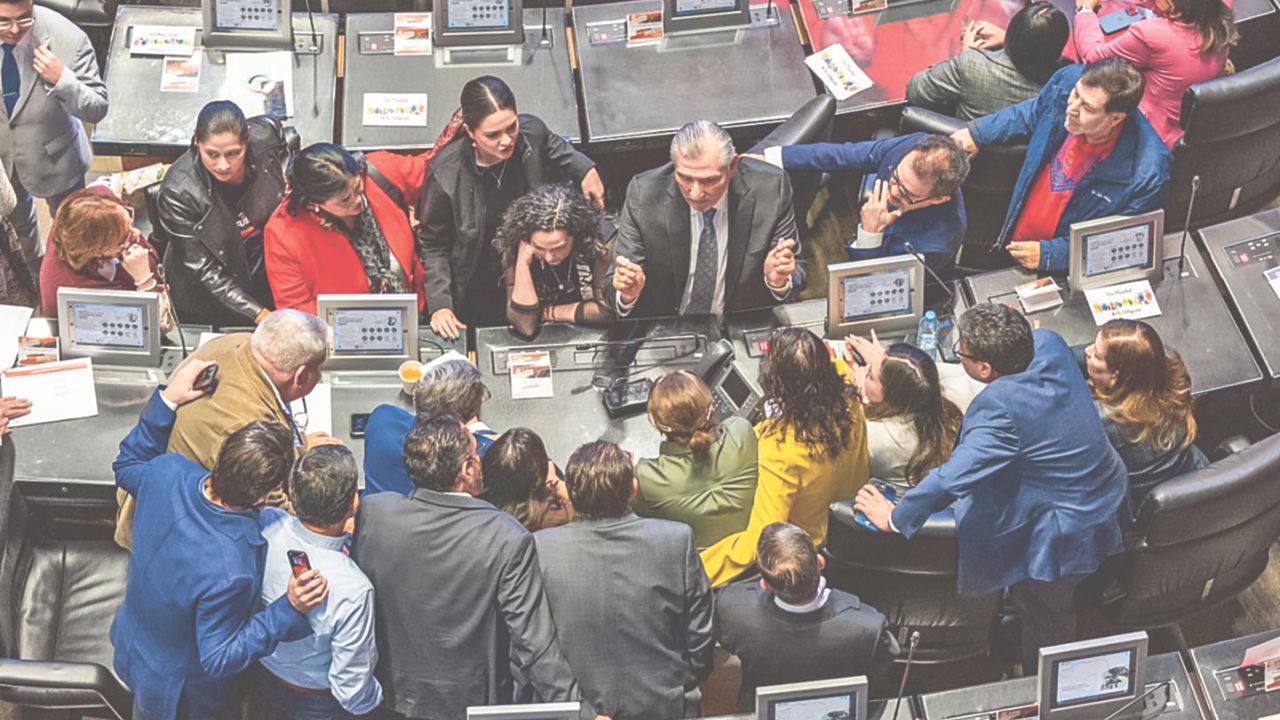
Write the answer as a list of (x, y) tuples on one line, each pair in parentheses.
[(447, 571), (841, 639), (653, 230)]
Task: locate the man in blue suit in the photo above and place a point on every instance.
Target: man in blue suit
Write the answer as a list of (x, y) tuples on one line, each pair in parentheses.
[(1037, 487), (189, 623)]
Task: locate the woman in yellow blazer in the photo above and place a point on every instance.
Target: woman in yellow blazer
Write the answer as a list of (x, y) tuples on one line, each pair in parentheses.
[(813, 450)]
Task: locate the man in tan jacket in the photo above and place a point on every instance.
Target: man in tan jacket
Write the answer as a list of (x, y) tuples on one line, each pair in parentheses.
[(259, 374)]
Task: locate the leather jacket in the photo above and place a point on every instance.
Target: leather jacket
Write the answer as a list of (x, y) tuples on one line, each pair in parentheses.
[(209, 274)]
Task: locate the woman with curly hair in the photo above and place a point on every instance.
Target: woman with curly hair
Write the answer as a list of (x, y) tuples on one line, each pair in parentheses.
[(521, 481), (553, 260), (1143, 394), (812, 449)]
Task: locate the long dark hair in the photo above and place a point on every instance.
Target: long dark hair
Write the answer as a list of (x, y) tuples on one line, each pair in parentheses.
[(1034, 39), (1151, 397), (515, 474), (1213, 19), (480, 98), (547, 209), (320, 172), (913, 390), (217, 117), (811, 397)]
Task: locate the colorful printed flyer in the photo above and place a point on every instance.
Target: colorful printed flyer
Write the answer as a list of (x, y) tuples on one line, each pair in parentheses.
[(1133, 300), (838, 71), (162, 40), (182, 74), (644, 28), (530, 374), (395, 110), (412, 34), (1040, 294)]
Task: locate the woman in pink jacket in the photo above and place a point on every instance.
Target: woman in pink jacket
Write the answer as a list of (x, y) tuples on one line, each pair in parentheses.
[(1185, 44)]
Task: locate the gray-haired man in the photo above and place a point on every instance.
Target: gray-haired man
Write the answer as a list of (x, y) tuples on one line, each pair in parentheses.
[(707, 233)]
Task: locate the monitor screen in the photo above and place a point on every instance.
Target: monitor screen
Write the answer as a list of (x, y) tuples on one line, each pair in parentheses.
[(478, 15), (1093, 678), (246, 15), (1121, 249), (699, 7), (368, 331), (108, 326), (736, 387), (839, 706), (876, 295)]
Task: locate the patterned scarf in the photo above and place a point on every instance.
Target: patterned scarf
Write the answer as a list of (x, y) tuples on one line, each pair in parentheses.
[(375, 256)]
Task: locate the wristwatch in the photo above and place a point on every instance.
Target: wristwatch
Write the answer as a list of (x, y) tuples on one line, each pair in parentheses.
[(1083, 8)]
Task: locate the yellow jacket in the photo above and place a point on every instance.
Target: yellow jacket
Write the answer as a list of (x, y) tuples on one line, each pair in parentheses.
[(794, 487)]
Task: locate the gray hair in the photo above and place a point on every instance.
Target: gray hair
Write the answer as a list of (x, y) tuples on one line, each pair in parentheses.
[(699, 137), (289, 339), (450, 388)]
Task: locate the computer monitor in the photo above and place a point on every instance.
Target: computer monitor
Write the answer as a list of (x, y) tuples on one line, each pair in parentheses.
[(681, 17), (542, 711), (838, 699), (120, 327), (1117, 249), (248, 24), (370, 332), (883, 294), (1091, 679), (483, 23)]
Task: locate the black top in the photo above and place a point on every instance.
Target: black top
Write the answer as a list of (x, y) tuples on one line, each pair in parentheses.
[(485, 303)]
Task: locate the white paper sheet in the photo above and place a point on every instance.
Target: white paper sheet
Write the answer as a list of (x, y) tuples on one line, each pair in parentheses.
[(57, 391), (1133, 300), (13, 324), (252, 77), (838, 71), (530, 374)]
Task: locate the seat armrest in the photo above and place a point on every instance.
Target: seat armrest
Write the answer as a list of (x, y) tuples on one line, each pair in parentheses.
[(63, 685), (811, 123), (915, 119)]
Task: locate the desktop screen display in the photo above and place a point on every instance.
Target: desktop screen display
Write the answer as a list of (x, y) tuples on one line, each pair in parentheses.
[(246, 14), (108, 326), (1121, 249), (1093, 678), (368, 331), (736, 387), (832, 707), (478, 15), (876, 295), (684, 8)]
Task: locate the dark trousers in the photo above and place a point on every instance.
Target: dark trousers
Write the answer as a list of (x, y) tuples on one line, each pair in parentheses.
[(1045, 611), (274, 700)]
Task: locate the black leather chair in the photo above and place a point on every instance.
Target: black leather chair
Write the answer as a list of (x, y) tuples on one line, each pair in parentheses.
[(810, 124), (1232, 142), (987, 192), (913, 582), (57, 600), (1199, 540)]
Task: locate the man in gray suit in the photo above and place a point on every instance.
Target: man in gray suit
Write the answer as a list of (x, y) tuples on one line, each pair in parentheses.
[(447, 568), (51, 86), (707, 233), (630, 598)]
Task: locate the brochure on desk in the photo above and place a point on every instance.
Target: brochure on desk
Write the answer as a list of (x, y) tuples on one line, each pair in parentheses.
[(57, 391)]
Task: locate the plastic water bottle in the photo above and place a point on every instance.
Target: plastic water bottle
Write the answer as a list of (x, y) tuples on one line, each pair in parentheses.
[(927, 334)]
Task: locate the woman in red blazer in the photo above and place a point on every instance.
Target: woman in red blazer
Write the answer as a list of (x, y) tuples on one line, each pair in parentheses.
[(338, 231)]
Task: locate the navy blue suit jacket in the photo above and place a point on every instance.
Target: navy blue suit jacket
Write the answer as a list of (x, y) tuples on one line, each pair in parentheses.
[(190, 621), (1036, 484), (384, 436)]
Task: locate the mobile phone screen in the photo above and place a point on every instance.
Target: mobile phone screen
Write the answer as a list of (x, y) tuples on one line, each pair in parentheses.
[(299, 562)]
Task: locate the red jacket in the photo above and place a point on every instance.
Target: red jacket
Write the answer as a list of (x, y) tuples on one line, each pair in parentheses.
[(306, 259)]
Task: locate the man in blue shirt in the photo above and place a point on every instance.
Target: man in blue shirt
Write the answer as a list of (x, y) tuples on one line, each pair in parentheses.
[(449, 386), (1036, 485), (329, 673), (915, 198), (190, 620)]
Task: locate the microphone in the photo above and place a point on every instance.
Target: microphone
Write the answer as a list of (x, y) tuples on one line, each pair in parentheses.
[(1186, 225), (1134, 701), (919, 256), (544, 41), (906, 671)]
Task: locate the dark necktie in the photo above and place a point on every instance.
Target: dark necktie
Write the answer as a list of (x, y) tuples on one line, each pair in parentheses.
[(10, 78), (705, 269)]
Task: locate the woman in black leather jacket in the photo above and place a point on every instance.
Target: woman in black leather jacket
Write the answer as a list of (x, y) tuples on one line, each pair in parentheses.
[(486, 158), (213, 206)]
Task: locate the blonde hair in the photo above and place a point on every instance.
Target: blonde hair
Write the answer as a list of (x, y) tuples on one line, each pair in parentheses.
[(680, 408), (1151, 397)]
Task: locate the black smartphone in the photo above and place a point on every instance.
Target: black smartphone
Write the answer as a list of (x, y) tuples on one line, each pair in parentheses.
[(359, 421), (207, 380), (298, 562)]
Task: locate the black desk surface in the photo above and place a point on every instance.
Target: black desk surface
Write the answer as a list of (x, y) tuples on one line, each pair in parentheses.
[(648, 92), (1256, 305), (584, 360), (145, 121), (1022, 691), (542, 83), (1209, 659), (1194, 320)]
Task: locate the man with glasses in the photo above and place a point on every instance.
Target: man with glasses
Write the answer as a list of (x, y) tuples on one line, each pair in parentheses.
[(915, 205), (1037, 486), (51, 86)]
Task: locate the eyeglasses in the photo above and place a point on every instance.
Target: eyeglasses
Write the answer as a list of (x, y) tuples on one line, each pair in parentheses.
[(902, 189), (955, 348), (19, 24)]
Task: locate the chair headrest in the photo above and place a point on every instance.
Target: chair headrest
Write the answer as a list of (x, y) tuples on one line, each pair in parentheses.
[(811, 123), (1232, 105)]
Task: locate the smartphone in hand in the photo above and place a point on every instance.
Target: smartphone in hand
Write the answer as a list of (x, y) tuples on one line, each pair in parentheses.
[(298, 562)]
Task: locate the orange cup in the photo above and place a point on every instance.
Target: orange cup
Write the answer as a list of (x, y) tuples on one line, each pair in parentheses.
[(410, 374)]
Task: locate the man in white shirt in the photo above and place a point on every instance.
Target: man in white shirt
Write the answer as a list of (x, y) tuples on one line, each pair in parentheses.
[(328, 674), (707, 233)]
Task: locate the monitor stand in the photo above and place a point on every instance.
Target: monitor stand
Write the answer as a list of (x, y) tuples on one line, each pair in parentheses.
[(478, 56), (701, 39)]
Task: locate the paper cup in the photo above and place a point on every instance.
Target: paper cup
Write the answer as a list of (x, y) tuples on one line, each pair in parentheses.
[(410, 374)]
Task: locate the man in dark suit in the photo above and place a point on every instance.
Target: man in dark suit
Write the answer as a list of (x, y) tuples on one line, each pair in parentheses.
[(446, 568), (640, 641), (791, 628), (707, 233), (1037, 486)]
